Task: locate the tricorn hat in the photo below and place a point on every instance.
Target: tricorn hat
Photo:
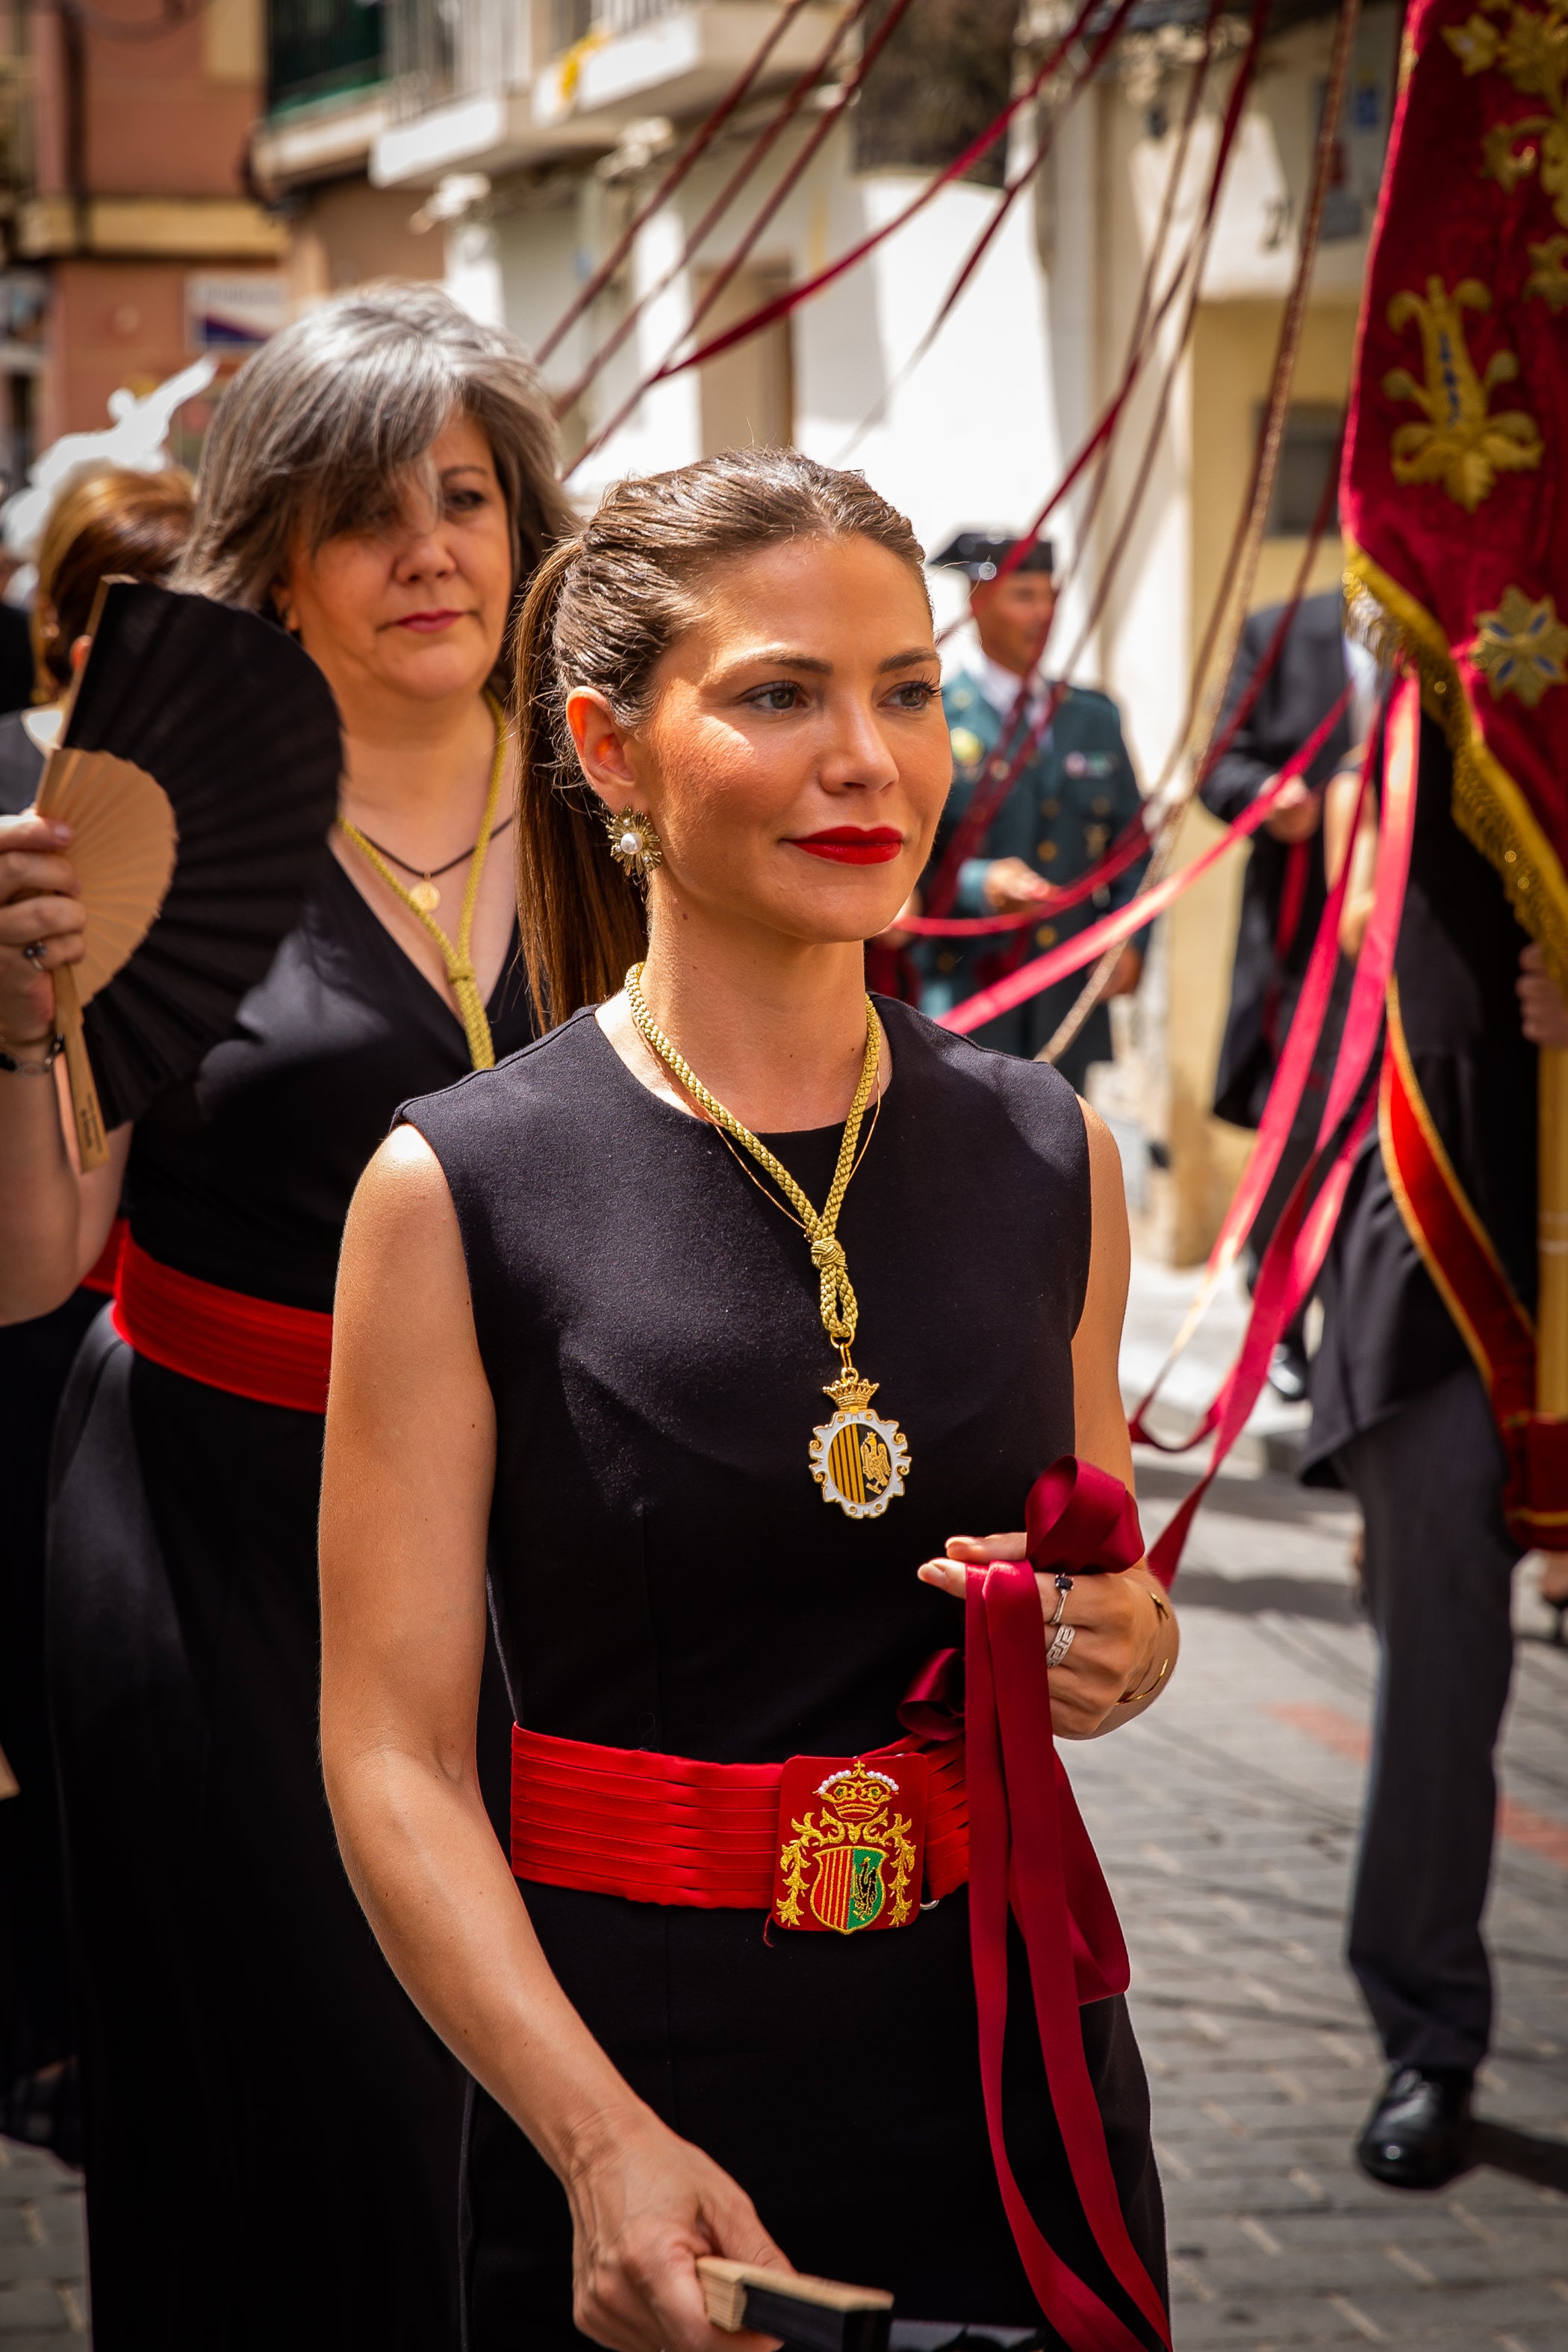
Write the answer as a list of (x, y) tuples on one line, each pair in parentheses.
[(982, 554)]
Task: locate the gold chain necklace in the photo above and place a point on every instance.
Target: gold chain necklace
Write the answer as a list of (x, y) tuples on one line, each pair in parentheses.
[(456, 955), (858, 1458)]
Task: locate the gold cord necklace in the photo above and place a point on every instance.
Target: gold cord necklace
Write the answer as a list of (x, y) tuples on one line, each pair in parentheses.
[(456, 955), (858, 1458)]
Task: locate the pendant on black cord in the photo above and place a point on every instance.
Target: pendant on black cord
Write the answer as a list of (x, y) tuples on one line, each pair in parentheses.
[(858, 1459)]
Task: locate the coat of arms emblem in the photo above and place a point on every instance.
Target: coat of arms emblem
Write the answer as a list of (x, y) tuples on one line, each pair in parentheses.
[(858, 1459), (850, 1841)]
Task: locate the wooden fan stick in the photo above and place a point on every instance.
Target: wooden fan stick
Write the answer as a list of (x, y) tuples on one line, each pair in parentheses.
[(91, 1143), (815, 2314)]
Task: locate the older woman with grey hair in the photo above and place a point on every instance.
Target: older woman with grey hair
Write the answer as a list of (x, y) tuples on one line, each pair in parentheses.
[(272, 2131)]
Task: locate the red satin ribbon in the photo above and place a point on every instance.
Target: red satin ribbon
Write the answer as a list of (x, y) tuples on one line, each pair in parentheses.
[(250, 1347), (1111, 929), (671, 1828), (1273, 1131), (1132, 844), (1025, 1826), (1300, 1242), (1473, 1285)]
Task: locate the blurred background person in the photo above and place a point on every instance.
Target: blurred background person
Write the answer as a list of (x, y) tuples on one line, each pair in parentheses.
[(1402, 1420), (135, 524), (1283, 887), (272, 2130), (1070, 801)]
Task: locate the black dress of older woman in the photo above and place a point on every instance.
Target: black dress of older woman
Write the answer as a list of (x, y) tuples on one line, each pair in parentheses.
[(37, 2083), (272, 2131)]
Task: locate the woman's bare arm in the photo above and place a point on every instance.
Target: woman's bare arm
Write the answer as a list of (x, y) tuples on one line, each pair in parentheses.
[(54, 1220), (1124, 1628), (410, 1458)]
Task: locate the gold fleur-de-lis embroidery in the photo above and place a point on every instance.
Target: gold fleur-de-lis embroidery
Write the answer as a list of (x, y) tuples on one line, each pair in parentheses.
[(1462, 445), (1521, 646), (1549, 278), (1532, 49)]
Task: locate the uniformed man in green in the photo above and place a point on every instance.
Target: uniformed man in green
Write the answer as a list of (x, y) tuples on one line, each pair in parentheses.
[(1069, 802)]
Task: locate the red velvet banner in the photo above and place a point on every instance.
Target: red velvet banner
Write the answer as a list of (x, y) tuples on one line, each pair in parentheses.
[(1453, 493)]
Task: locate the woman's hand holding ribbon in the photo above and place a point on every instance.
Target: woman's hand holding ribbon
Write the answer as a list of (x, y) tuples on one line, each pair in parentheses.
[(1123, 1642)]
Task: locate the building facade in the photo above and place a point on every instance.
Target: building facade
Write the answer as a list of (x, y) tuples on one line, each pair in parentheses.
[(135, 241)]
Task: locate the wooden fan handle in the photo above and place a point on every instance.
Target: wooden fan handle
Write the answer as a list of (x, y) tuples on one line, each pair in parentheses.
[(92, 1145)]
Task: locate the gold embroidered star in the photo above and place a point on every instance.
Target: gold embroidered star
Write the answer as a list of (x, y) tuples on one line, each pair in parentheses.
[(1521, 646)]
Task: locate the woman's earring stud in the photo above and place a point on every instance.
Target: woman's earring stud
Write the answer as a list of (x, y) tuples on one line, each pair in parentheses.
[(633, 843)]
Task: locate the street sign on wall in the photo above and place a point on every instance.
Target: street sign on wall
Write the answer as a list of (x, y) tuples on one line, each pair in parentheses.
[(234, 311)]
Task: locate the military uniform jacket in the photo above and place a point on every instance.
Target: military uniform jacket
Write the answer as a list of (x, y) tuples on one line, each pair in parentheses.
[(1069, 804)]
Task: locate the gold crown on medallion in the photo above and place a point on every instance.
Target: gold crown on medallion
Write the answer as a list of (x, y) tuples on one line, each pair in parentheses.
[(857, 1794), (850, 1392)]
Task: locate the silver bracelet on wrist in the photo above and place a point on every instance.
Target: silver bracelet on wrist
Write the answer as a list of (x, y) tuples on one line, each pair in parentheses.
[(24, 1069)]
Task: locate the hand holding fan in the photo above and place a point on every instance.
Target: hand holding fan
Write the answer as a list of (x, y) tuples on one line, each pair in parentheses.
[(198, 768)]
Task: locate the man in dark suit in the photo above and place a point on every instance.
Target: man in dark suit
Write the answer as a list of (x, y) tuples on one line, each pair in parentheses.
[(1283, 888), (1070, 801)]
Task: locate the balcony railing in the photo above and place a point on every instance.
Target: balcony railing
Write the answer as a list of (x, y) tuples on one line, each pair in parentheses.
[(322, 49), (442, 50)]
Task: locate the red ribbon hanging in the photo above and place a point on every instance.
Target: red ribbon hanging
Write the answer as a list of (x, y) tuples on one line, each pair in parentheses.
[(1300, 1242), (1273, 1131), (1024, 1822), (1111, 929)]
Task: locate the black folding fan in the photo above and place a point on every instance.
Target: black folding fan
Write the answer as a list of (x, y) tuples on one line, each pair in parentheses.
[(198, 767)]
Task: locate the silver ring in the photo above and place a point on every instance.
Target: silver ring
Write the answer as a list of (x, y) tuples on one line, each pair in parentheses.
[(34, 951), (1062, 1604), (1061, 1646)]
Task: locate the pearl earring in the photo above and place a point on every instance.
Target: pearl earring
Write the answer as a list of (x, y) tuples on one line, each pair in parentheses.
[(633, 843)]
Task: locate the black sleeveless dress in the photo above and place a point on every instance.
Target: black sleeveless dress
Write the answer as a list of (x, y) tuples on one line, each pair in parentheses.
[(667, 1576), (272, 2131)]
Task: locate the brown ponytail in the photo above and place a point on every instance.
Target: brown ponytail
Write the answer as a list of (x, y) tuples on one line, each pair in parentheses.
[(581, 918), (602, 610)]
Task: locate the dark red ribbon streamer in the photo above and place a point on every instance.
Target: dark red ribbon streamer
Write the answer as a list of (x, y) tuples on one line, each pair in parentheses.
[(1300, 1242), (1111, 929), (1023, 1822)]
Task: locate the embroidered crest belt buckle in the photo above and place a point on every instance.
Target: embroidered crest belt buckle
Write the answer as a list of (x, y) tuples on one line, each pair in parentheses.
[(851, 1842)]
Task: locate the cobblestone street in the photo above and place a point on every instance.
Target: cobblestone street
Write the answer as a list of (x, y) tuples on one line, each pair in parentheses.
[(1226, 1821)]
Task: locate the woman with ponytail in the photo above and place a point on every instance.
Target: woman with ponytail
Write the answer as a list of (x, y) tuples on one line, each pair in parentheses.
[(675, 1347)]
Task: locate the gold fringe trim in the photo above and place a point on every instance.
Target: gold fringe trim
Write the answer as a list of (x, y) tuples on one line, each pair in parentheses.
[(1489, 806)]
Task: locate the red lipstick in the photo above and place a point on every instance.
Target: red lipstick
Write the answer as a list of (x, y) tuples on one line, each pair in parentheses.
[(426, 624), (853, 845)]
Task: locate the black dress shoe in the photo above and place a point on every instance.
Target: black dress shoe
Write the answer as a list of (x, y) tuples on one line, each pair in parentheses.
[(1418, 2134), (1289, 1375)]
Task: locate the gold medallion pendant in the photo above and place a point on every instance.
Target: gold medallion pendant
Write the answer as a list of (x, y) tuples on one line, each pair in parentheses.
[(857, 1458)]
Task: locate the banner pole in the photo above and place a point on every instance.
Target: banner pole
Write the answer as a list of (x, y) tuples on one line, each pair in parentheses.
[(1551, 1237)]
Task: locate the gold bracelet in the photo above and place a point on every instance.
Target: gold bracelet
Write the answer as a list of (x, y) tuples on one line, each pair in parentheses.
[(1132, 1698)]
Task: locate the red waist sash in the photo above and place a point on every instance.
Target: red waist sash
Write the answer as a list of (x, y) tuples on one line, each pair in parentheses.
[(1000, 1814), (251, 1347), (668, 1829), (104, 1271)]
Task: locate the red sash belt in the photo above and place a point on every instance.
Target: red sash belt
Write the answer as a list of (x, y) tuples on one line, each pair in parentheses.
[(668, 1829), (104, 1272), (1000, 1814), (251, 1347)]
